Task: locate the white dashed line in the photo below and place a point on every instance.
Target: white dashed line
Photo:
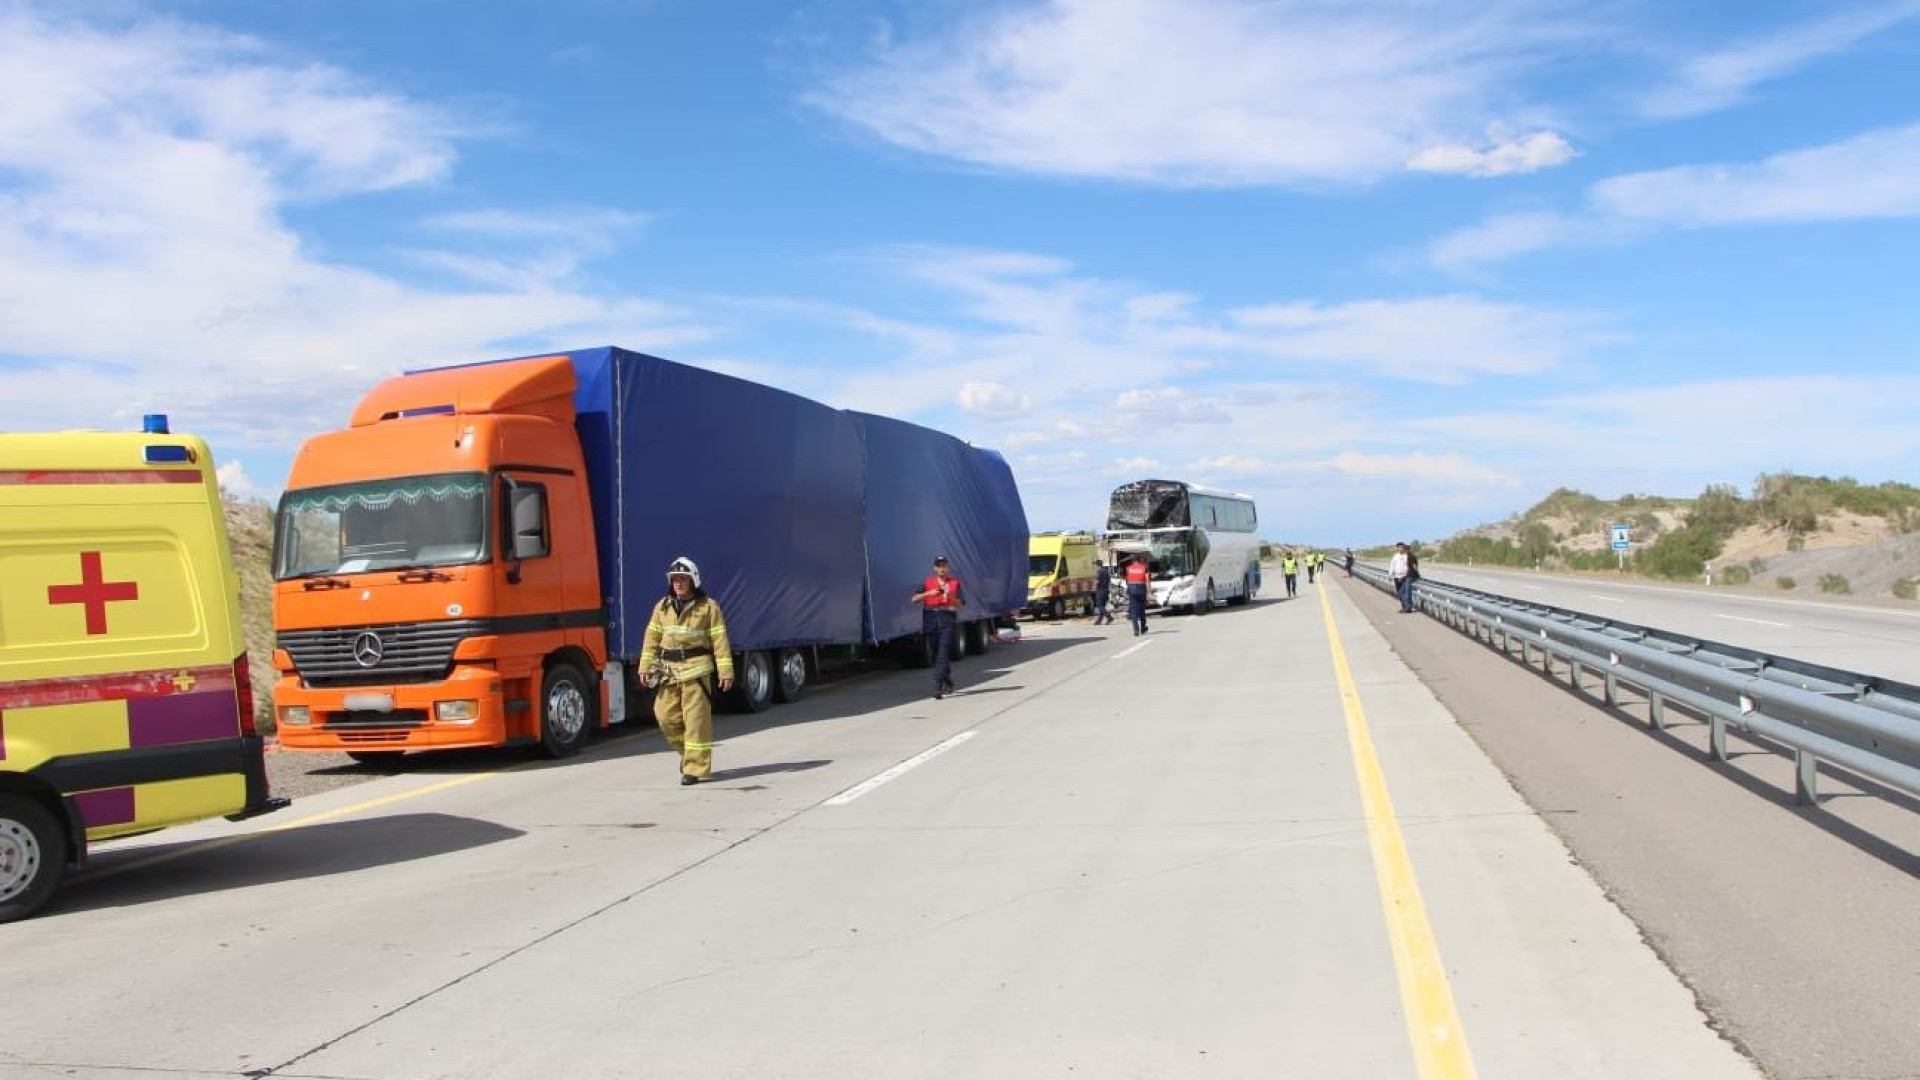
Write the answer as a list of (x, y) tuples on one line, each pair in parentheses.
[(899, 770), (1608, 599), (1743, 618), (1135, 649)]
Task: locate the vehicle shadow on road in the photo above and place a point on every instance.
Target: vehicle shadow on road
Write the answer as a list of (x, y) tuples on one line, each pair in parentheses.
[(191, 867)]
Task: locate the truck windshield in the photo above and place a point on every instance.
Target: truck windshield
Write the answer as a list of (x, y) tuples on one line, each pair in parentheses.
[(1041, 565), (392, 524)]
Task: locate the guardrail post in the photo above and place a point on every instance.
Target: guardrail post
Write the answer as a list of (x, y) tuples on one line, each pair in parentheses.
[(1613, 683), (1717, 737), (1573, 673), (1806, 778), (1657, 712)]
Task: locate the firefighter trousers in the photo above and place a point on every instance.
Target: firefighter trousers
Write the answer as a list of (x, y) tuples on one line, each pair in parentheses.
[(685, 715)]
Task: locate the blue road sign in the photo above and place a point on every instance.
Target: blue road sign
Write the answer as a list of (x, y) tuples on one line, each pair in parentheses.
[(1622, 537)]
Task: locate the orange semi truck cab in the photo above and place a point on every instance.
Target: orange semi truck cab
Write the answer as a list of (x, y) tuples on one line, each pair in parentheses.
[(435, 576)]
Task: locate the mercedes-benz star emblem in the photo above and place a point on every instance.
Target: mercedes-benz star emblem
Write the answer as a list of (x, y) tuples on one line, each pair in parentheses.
[(367, 649)]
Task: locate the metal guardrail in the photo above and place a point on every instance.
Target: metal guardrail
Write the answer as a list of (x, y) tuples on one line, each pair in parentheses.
[(1866, 725)]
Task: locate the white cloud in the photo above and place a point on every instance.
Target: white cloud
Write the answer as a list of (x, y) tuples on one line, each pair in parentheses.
[(1499, 238), (234, 481), (1720, 79), (146, 170), (1873, 175), (1136, 466), (1196, 92), (992, 400), (1233, 463), (1420, 467), (1501, 157), (1441, 339)]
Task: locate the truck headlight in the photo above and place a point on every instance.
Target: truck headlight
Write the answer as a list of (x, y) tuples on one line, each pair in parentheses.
[(295, 716), (456, 712)]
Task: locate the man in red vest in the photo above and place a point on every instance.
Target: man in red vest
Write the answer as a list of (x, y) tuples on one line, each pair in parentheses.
[(1137, 576), (940, 598)]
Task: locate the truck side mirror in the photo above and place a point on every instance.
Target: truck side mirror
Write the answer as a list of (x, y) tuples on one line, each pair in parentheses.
[(526, 524)]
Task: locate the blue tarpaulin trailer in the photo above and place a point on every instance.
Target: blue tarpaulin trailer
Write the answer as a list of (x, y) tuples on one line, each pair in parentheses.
[(811, 525)]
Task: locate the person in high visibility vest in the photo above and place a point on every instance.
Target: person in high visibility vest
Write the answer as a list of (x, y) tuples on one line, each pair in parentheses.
[(1313, 566), (686, 644), (1290, 568), (1137, 576)]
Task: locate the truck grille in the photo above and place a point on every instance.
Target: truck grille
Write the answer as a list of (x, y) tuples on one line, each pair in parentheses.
[(399, 652)]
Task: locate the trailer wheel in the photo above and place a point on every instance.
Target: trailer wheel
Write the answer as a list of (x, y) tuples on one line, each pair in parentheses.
[(791, 676), (976, 634), (567, 702), (33, 855), (752, 682)]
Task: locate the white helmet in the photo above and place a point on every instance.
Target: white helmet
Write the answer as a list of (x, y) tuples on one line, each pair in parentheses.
[(683, 565)]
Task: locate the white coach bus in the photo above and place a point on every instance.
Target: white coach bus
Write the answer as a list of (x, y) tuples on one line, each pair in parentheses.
[(1202, 545)]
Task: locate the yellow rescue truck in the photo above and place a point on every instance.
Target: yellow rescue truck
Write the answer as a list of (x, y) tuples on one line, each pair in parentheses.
[(1060, 573), (124, 699)]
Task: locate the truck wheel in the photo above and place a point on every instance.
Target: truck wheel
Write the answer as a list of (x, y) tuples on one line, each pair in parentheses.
[(790, 676), (33, 855), (567, 702), (1056, 610), (752, 682), (977, 633)]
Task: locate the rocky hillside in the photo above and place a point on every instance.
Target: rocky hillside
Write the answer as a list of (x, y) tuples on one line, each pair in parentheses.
[(1790, 532), (250, 530)]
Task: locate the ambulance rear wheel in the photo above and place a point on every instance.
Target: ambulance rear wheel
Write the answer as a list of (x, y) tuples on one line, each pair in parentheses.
[(790, 676), (33, 855), (567, 702)]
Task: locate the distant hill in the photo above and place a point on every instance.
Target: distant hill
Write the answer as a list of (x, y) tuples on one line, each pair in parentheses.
[(1791, 531)]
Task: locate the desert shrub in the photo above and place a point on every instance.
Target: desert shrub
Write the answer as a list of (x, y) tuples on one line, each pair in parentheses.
[(1786, 582), (1796, 542), (1906, 589), (1834, 583), (1734, 575)]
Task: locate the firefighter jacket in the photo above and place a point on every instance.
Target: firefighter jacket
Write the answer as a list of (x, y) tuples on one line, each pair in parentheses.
[(689, 643)]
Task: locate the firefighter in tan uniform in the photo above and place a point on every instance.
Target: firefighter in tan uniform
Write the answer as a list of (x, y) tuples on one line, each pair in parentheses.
[(686, 641)]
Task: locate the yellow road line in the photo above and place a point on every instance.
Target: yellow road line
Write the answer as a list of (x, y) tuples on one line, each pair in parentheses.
[(1433, 1025), (295, 823)]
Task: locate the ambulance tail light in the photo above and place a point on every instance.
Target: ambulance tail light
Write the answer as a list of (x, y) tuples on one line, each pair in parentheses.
[(243, 693)]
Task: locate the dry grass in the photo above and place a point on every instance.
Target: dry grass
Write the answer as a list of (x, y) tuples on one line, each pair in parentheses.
[(250, 531)]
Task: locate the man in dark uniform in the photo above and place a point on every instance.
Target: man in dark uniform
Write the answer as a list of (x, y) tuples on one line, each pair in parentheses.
[(1102, 608), (940, 598)]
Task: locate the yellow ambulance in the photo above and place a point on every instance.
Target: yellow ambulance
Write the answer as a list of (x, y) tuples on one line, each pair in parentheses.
[(1060, 573), (124, 699)]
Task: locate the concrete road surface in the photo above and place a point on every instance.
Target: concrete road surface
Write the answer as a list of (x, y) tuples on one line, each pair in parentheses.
[(1874, 639), (1250, 844)]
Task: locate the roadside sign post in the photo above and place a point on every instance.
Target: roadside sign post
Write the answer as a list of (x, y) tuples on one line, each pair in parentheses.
[(1622, 540)]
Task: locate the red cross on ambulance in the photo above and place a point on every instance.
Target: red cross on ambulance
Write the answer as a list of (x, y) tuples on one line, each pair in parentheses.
[(93, 591)]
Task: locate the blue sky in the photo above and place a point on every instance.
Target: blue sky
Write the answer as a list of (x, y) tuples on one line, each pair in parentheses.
[(1395, 269)]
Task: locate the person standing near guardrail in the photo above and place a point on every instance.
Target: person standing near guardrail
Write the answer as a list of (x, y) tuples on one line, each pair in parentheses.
[(1290, 569), (1400, 571), (1349, 562)]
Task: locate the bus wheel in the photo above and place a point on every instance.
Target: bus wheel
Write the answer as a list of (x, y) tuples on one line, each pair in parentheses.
[(1246, 593), (791, 675), (566, 710), (33, 855)]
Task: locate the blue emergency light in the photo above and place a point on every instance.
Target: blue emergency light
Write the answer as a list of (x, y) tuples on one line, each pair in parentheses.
[(154, 423)]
